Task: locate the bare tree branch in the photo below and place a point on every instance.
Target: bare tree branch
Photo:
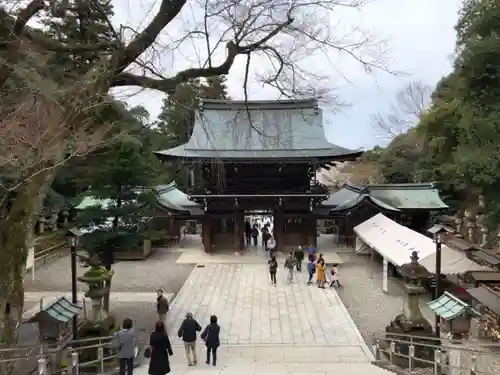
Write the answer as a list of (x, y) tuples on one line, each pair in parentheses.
[(168, 85), (405, 111), (11, 30), (169, 9), (26, 14)]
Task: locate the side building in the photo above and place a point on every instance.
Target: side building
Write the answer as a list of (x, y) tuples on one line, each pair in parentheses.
[(257, 157), (412, 205)]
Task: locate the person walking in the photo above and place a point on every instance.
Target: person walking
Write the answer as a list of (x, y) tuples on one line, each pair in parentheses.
[(266, 235), (273, 268), (125, 341), (299, 257), (211, 337), (162, 306), (335, 276), (320, 273), (271, 246), (290, 264), (255, 234), (248, 232), (311, 250), (311, 269), (187, 331), (160, 350)]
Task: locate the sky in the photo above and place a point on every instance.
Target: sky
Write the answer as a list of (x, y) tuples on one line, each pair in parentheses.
[(418, 44)]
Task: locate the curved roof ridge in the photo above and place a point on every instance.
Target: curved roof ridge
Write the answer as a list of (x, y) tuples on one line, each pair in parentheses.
[(353, 187), (257, 104), (164, 188), (412, 185), (349, 205)]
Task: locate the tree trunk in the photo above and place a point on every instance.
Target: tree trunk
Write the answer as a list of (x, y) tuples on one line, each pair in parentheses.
[(16, 235)]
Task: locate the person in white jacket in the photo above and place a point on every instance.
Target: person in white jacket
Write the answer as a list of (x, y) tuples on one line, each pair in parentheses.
[(335, 276)]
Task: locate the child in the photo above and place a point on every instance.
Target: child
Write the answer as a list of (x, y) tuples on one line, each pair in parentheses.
[(311, 268), (335, 276)]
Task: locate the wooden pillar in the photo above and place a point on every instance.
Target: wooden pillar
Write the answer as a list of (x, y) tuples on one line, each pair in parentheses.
[(279, 227), (238, 233), (342, 231), (304, 231), (312, 238), (171, 227), (207, 233), (315, 230)]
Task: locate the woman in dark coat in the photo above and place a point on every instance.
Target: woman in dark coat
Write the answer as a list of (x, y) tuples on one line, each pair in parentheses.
[(160, 350), (211, 337)]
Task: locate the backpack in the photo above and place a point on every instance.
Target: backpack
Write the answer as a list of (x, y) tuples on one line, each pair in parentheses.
[(273, 266)]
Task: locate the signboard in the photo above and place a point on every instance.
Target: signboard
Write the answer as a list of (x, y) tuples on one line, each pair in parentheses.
[(385, 276)]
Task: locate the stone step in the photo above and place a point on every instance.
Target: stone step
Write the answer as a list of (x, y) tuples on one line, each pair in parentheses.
[(243, 367)]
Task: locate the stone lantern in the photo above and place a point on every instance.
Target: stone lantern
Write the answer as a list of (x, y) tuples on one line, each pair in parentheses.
[(411, 322)]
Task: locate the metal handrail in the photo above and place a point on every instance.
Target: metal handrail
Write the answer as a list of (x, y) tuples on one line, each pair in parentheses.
[(447, 358), (49, 356), (378, 335)]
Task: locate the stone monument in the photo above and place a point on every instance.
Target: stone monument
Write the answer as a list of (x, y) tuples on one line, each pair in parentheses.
[(411, 322)]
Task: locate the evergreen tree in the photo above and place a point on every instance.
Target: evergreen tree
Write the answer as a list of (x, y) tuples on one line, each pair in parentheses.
[(85, 22), (177, 117), (122, 177)]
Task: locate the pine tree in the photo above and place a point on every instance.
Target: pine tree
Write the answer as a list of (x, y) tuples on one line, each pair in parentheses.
[(84, 23), (177, 117), (122, 175)]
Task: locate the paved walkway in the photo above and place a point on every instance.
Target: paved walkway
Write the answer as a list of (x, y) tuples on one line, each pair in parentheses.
[(193, 253), (288, 329)]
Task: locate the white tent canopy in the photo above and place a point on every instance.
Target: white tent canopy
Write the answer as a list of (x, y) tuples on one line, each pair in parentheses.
[(396, 242)]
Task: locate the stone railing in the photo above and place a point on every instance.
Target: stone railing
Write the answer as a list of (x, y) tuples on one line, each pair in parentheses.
[(452, 357)]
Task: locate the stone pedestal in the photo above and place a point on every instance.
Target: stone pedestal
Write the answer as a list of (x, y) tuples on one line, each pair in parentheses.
[(411, 322)]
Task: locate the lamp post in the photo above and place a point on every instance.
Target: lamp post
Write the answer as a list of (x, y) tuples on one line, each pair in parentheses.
[(72, 235), (437, 230)]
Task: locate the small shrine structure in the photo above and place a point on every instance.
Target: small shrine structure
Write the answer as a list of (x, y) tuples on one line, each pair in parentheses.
[(55, 319), (455, 314), (409, 204)]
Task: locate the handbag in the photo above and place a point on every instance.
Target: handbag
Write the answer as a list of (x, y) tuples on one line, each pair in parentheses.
[(204, 335), (147, 353)]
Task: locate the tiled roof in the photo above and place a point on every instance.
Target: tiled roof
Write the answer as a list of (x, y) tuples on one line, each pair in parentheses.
[(60, 310), (259, 130), (486, 297), (170, 197), (393, 197), (448, 306)]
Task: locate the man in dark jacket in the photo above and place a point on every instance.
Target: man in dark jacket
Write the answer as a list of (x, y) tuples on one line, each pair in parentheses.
[(299, 257), (187, 331), (161, 306)]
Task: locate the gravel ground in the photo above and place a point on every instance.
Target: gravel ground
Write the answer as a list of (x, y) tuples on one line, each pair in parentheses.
[(157, 271), (371, 309)]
